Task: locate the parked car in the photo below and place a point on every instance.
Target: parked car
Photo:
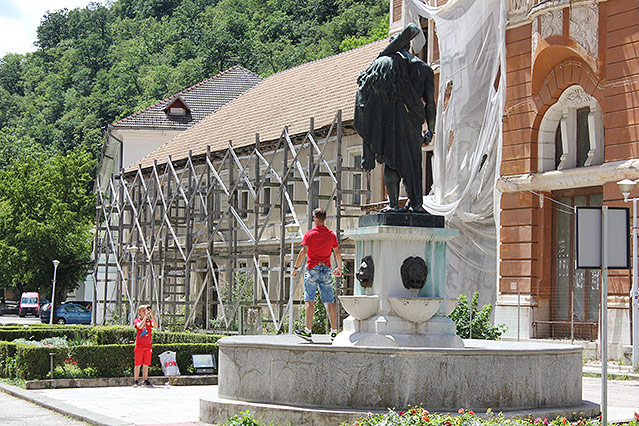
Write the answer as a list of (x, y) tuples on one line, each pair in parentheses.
[(29, 304), (67, 313), (8, 307)]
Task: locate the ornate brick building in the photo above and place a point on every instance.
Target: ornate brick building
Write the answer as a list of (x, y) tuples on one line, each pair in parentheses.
[(570, 133), (570, 130)]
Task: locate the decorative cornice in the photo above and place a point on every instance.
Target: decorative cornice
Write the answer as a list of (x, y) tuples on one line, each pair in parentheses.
[(523, 12), (580, 177)]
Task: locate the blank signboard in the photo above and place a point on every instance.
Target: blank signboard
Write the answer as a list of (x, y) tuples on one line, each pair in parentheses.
[(588, 232)]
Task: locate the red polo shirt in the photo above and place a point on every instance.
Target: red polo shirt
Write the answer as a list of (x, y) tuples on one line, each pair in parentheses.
[(320, 242)]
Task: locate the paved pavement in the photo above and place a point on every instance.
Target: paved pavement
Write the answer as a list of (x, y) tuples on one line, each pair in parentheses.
[(179, 405), (18, 412)]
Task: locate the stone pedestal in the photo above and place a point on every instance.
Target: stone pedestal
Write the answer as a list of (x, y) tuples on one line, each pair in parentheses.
[(394, 315)]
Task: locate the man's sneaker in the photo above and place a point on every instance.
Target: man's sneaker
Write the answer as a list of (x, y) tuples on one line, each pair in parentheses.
[(147, 384), (135, 384), (333, 335), (304, 334)]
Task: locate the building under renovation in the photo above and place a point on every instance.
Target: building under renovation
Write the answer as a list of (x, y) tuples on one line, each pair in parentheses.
[(208, 232), (536, 115)]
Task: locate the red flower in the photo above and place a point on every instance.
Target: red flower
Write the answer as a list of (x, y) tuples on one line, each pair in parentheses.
[(413, 411), (447, 423), (460, 411), (401, 413), (426, 412), (425, 418), (471, 412)]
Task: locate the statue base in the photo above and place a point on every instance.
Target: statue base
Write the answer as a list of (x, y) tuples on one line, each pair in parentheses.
[(391, 218), (391, 331)]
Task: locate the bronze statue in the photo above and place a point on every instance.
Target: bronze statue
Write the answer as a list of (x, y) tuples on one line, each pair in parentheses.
[(394, 98)]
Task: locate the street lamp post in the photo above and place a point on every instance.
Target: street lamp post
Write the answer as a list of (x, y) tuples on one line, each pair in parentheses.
[(292, 229), (55, 270), (132, 297), (626, 186)]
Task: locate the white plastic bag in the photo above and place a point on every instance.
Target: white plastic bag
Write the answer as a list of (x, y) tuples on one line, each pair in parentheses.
[(169, 364)]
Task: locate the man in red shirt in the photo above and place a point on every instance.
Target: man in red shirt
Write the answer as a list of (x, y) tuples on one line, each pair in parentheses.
[(143, 347), (318, 243)]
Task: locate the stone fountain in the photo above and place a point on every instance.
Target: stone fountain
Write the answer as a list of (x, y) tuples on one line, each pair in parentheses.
[(391, 309), (397, 348)]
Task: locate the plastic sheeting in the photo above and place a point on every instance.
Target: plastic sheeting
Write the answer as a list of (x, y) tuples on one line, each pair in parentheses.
[(468, 132)]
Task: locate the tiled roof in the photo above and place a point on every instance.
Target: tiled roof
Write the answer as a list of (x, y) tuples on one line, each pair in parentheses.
[(202, 99), (289, 98)]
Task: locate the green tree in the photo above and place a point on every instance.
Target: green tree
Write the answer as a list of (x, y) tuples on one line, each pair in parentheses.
[(17, 146), (46, 210), (100, 63)]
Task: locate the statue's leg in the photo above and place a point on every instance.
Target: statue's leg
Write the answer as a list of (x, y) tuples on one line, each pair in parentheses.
[(415, 196), (392, 179)]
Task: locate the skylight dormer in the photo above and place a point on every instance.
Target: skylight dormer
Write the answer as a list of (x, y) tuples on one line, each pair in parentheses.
[(177, 108)]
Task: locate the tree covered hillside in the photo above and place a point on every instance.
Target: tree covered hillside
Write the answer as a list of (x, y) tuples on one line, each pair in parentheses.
[(101, 63)]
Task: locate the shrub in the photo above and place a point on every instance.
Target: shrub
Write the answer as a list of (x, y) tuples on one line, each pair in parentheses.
[(93, 352), (112, 335), (481, 326), (7, 359), (33, 362), (244, 418), (184, 337)]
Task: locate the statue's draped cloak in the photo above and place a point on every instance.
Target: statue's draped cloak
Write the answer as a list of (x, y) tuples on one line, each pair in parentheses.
[(389, 115)]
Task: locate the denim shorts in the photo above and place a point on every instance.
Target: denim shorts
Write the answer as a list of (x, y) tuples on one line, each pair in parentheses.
[(320, 276)]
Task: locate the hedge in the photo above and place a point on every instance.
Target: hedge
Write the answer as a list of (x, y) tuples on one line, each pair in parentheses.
[(109, 352), (33, 362), (99, 335)]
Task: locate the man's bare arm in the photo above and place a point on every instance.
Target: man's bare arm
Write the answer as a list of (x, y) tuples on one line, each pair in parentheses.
[(338, 260), (299, 260)]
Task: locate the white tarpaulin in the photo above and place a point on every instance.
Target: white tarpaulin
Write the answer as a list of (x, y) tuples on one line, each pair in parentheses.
[(468, 132)]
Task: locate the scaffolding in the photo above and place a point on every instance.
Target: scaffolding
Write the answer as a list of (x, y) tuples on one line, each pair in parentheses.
[(203, 236)]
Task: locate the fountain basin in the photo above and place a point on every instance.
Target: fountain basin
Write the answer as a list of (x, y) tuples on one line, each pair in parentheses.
[(450, 306), (503, 376), (360, 307), (415, 309)]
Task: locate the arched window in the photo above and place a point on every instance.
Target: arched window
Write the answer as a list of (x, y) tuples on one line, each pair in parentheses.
[(571, 132)]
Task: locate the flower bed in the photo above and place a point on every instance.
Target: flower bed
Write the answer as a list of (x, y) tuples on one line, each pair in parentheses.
[(422, 417)]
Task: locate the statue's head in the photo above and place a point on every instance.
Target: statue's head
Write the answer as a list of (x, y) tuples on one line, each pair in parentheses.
[(401, 41)]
